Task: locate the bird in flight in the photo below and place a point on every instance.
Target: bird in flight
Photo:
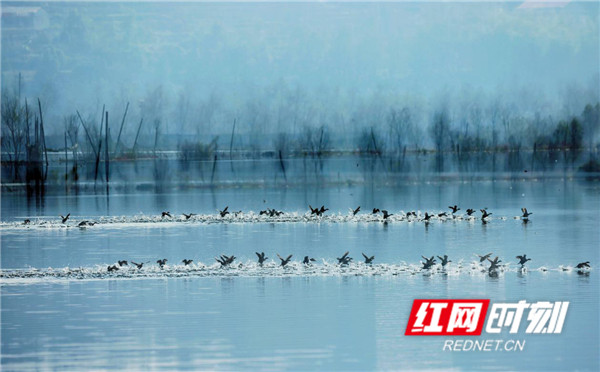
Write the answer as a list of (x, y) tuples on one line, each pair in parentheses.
[(444, 260), (429, 262), (307, 260), (261, 258), (224, 260), (484, 214), (523, 259), (368, 260), (454, 208), (284, 261), (224, 212), (344, 260), (494, 263), (484, 257)]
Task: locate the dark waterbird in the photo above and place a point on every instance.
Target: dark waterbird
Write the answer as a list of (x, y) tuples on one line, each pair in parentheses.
[(412, 213), (186, 261), (525, 213), (188, 216), (427, 217), (484, 257), (307, 260), (26, 222), (386, 214), (429, 262), (355, 211), (123, 263), (166, 214), (454, 208), (224, 212), (85, 223), (162, 262), (523, 259), (470, 211), (443, 214), (284, 261), (113, 268), (444, 260), (494, 264), (273, 212), (65, 218), (318, 211), (261, 257), (375, 210), (344, 260), (484, 214), (225, 260), (368, 260), (139, 265), (583, 265), (322, 210)]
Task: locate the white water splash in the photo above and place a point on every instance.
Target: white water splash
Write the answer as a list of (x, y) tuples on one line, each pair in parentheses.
[(142, 220), (252, 269)]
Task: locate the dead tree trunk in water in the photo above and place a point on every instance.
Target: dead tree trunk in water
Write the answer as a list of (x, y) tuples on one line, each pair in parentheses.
[(121, 130), (87, 134), (106, 157), (231, 142), (231, 145), (98, 160), (99, 145), (27, 126), (66, 160), (137, 135), (43, 135)]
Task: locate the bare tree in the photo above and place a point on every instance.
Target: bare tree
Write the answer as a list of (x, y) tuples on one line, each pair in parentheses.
[(400, 124), (440, 130), (14, 129), (152, 107), (72, 130)]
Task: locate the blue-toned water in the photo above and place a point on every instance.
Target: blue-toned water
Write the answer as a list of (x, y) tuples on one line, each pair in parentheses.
[(61, 309)]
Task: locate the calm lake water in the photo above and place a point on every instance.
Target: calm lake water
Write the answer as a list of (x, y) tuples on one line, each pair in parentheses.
[(60, 309)]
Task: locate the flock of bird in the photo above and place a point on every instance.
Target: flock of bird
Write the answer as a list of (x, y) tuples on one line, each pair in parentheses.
[(345, 260), (271, 212)]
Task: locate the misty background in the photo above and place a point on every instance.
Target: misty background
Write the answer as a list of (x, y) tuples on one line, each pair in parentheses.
[(343, 76)]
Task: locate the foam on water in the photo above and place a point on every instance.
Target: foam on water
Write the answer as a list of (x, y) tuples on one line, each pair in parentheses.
[(248, 217), (272, 269)]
